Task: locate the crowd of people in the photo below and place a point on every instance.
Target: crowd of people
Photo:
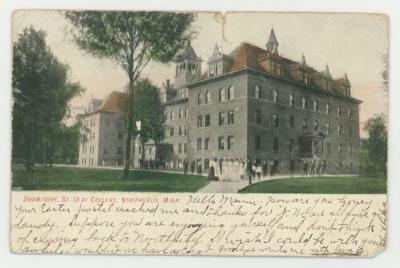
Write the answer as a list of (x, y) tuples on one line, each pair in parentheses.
[(237, 169)]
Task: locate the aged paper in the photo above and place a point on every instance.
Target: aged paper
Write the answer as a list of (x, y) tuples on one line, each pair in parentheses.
[(198, 224), (175, 133)]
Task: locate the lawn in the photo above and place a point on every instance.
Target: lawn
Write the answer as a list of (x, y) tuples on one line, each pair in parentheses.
[(87, 179), (321, 185)]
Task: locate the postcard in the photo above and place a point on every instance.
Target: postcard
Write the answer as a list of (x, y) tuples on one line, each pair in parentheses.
[(197, 133)]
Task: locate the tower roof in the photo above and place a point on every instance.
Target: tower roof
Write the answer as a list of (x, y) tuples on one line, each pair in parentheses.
[(303, 60), (272, 44), (327, 73), (186, 52)]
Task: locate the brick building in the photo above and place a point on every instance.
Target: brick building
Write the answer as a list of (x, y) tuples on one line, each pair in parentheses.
[(253, 103)]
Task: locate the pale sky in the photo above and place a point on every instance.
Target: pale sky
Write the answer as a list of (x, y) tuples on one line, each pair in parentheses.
[(352, 43)]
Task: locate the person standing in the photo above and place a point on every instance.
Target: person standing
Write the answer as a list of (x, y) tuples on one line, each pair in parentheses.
[(265, 168), (192, 166), (312, 168), (305, 168), (272, 169), (185, 166), (249, 169)]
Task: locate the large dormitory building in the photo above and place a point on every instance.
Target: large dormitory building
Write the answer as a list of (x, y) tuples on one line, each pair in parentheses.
[(252, 103)]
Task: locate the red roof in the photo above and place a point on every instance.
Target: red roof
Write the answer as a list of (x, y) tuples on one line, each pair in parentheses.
[(115, 102)]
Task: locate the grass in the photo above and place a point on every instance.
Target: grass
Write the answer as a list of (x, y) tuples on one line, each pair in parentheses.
[(321, 185), (85, 179)]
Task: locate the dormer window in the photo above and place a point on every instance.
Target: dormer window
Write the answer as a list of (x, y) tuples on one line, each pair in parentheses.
[(276, 68), (305, 77)]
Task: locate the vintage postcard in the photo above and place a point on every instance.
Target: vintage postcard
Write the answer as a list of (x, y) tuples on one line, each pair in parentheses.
[(170, 133)]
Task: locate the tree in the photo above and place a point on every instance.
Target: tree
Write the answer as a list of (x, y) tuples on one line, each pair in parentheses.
[(148, 110), (67, 151), (373, 155), (131, 39), (41, 92)]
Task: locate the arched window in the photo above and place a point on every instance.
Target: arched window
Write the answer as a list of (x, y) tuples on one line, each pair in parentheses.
[(222, 94), (291, 100), (339, 130), (171, 116), (275, 96), (231, 93), (208, 97), (327, 108), (315, 105), (303, 103), (200, 99), (180, 113)]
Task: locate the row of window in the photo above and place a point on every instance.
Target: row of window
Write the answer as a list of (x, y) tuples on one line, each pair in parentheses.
[(304, 103), (224, 143), (182, 114), (318, 148), (87, 162), (205, 120), (205, 98), (315, 127), (85, 150), (182, 131)]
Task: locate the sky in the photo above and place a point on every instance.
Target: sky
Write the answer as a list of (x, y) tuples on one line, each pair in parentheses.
[(349, 43)]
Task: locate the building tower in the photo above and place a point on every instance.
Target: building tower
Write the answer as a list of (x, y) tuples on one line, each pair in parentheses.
[(188, 65), (272, 44)]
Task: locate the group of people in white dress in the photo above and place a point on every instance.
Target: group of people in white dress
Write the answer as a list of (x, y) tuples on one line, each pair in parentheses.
[(236, 170)]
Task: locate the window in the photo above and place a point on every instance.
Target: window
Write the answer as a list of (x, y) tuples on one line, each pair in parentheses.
[(328, 128), (171, 115), (221, 118), (231, 117), (328, 148), (206, 142), (200, 99), (219, 67), (327, 108), (258, 117), (303, 103), (180, 113), (185, 130), (180, 132), (180, 147), (208, 97), (350, 132), (349, 113), (199, 144), (291, 100), (231, 93), (276, 144), (291, 121), (206, 164), (171, 131), (315, 106), (339, 111), (187, 113), (305, 77), (222, 94), (230, 142), (351, 150), (304, 124), (207, 120), (200, 121), (340, 148), (221, 144), (291, 145), (275, 96), (257, 142), (276, 68), (184, 148), (275, 120), (316, 125), (257, 93), (339, 130)]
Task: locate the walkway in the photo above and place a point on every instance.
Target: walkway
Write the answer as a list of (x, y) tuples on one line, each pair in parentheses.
[(235, 186)]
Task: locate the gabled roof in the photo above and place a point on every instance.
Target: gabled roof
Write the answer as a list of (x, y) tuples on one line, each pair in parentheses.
[(114, 102)]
